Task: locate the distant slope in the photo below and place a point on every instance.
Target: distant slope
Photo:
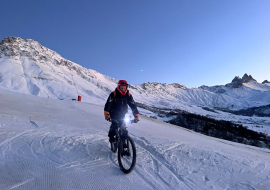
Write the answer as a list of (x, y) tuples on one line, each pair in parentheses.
[(261, 111), (253, 93)]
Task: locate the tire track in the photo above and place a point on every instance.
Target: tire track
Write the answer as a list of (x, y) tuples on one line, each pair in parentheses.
[(115, 162), (155, 175), (47, 152), (144, 144), (12, 139), (22, 183), (173, 147), (149, 183), (158, 173)]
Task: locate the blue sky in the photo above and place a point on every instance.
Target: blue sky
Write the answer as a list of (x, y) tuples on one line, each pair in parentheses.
[(193, 42)]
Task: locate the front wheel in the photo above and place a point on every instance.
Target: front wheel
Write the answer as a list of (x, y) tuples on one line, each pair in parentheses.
[(126, 155)]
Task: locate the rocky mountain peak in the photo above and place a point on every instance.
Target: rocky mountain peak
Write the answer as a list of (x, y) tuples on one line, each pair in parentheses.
[(178, 85), (17, 47), (237, 82), (265, 81), (10, 40), (246, 78), (156, 85), (236, 79), (18, 43), (13, 39)]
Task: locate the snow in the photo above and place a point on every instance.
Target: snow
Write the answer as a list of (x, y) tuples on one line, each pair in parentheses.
[(28, 67), (59, 144), (57, 82)]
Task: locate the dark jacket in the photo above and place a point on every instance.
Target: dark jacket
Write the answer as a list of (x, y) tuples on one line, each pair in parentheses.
[(117, 105)]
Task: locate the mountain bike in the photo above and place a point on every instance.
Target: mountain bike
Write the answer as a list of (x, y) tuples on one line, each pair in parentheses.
[(125, 146)]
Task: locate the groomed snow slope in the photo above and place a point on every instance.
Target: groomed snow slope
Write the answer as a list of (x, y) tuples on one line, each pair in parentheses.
[(54, 144)]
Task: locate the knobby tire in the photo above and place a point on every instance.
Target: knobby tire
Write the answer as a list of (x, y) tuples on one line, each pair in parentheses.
[(121, 158)]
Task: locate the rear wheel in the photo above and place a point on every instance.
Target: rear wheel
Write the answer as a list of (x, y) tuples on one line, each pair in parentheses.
[(126, 155)]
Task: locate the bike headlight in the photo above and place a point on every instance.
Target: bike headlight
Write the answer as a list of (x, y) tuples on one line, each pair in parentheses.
[(127, 119)]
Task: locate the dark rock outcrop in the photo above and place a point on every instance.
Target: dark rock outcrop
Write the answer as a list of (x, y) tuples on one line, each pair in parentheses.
[(265, 81), (178, 85), (204, 87), (247, 78), (237, 82)]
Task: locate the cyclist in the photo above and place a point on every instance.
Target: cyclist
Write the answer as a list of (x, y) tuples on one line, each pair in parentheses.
[(117, 106)]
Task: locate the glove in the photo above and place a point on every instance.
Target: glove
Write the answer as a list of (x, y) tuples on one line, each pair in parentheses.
[(109, 119), (107, 116), (136, 118)]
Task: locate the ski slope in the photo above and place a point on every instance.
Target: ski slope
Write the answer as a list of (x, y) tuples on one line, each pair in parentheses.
[(59, 144)]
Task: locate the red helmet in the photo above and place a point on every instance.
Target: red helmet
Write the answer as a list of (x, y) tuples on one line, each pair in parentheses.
[(122, 83)]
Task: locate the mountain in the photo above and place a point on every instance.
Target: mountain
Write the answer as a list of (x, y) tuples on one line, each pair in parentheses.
[(265, 81), (238, 82), (50, 144), (28, 67), (247, 78), (245, 89)]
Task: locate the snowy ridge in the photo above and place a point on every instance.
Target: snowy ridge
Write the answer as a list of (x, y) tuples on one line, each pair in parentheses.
[(251, 94), (28, 67)]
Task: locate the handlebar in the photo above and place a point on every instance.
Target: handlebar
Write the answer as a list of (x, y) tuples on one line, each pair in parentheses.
[(133, 121), (125, 120)]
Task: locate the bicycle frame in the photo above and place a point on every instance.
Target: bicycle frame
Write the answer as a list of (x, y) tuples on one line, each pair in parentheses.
[(123, 143), (122, 128)]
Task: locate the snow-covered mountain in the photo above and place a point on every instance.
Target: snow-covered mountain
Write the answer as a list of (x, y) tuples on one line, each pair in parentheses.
[(28, 67), (246, 90)]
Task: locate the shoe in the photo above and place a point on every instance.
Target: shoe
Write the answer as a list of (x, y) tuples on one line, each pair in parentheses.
[(127, 153)]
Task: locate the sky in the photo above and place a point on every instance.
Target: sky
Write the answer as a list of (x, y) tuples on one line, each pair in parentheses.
[(193, 42)]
